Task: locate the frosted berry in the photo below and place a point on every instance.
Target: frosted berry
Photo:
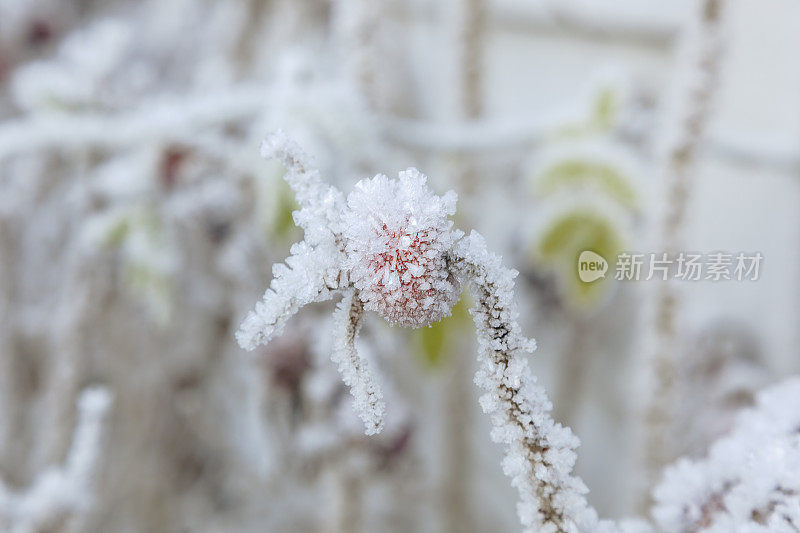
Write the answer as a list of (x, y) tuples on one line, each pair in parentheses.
[(397, 235)]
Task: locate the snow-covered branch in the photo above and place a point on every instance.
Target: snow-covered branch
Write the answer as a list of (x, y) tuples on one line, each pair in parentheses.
[(59, 493), (539, 454), (355, 370), (309, 275), (750, 480), (164, 118)]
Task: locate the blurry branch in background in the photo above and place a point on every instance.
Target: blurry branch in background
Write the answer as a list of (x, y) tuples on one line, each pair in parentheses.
[(578, 18), (345, 515), (685, 116), (77, 313), (358, 26), (182, 117), (7, 327), (58, 494), (468, 25), (504, 134), (163, 117), (366, 35)]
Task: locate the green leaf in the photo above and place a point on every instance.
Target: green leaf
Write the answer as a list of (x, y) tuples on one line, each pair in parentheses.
[(585, 172), (561, 244), (117, 233), (606, 109), (438, 342), (283, 225)]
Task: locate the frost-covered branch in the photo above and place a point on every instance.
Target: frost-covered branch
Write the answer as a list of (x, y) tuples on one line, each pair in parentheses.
[(355, 370), (58, 493), (312, 273), (539, 454), (316, 198), (309, 275), (750, 480), (165, 118)]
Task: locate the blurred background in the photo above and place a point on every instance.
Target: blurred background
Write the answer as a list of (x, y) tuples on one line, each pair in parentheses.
[(138, 225)]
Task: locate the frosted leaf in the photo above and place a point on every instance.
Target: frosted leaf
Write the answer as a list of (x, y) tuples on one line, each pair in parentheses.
[(397, 238), (309, 275), (355, 371)]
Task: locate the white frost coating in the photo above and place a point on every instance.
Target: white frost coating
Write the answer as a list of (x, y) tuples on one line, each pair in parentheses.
[(355, 371), (539, 454), (59, 493), (398, 236), (750, 480), (309, 275), (321, 205), (312, 271)]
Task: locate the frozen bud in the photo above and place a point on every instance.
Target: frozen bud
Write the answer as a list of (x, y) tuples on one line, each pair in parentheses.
[(397, 235)]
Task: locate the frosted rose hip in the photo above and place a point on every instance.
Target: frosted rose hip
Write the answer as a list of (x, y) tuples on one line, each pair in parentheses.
[(397, 236)]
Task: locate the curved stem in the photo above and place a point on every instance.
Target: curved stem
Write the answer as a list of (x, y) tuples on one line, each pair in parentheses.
[(539, 454), (355, 370)]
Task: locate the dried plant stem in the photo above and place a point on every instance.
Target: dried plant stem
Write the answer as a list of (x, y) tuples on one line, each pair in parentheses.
[(345, 513), (355, 371), (471, 19), (685, 122), (539, 454), (360, 24)]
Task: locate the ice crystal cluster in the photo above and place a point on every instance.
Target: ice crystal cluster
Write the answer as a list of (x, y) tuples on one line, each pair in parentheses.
[(391, 248)]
